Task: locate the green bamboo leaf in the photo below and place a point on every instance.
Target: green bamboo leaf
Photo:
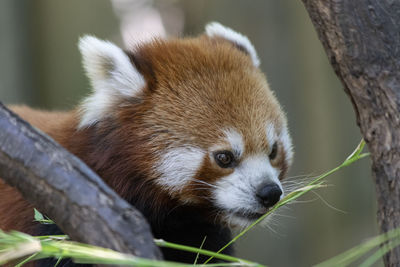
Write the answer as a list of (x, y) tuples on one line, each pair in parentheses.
[(41, 219), (38, 216)]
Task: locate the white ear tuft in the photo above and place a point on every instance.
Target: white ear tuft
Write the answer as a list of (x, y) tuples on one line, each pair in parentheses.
[(112, 76), (215, 29)]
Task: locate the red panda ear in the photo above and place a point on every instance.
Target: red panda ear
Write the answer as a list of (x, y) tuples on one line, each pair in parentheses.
[(215, 29), (112, 75)]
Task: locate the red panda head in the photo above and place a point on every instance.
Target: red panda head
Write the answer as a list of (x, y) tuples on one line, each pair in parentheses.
[(195, 116)]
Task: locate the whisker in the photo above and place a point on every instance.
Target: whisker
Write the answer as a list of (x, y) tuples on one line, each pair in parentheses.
[(197, 189), (203, 182), (329, 205), (283, 215), (303, 201), (287, 207), (267, 224), (299, 176)]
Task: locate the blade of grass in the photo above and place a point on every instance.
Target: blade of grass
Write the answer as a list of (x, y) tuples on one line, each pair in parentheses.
[(52, 237), (201, 246), (162, 243), (39, 217), (380, 253), (17, 246), (87, 254), (26, 260), (58, 261), (317, 182), (357, 252)]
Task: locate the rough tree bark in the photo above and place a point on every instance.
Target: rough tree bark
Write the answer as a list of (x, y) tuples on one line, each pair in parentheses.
[(362, 40), (64, 188)]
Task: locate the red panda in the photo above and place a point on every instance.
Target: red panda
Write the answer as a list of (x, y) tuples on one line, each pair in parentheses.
[(186, 130)]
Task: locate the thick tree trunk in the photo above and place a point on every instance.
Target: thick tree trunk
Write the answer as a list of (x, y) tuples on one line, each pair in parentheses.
[(64, 188), (362, 40)]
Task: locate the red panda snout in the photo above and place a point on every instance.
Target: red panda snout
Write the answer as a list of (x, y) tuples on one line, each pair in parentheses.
[(238, 195)]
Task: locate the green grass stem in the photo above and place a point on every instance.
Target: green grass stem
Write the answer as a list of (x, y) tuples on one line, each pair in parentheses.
[(162, 243), (16, 245), (350, 256)]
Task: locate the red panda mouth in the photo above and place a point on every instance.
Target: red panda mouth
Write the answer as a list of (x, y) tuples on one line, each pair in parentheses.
[(248, 215)]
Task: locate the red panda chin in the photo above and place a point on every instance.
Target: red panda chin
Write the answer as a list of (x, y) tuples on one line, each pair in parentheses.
[(240, 220)]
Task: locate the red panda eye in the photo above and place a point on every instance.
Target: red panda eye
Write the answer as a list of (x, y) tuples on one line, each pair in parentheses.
[(224, 159), (274, 151)]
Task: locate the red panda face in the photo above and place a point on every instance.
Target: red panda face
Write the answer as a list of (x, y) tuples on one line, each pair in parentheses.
[(214, 134)]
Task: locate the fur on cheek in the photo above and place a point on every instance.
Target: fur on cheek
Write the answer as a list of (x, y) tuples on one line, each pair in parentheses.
[(177, 167)]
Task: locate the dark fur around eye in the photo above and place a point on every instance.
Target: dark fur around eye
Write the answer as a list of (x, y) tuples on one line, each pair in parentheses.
[(225, 159), (274, 151)]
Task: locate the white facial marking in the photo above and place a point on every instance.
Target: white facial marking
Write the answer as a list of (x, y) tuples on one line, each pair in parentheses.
[(237, 192), (216, 29), (235, 139), (178, 166), (287, 144), (112, 76), (271, 134)]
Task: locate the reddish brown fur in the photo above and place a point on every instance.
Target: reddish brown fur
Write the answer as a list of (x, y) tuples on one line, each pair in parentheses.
[(230, 92), (208, 86), (196, 88), (14, 210)]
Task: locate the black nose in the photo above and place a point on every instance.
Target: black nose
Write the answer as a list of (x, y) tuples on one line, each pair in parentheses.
[(269, 194)]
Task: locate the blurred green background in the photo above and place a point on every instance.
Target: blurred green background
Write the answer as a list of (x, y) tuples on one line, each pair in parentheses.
[(40, 66)]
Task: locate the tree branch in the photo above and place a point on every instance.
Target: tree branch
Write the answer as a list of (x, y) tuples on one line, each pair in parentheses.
[(362, 40), (64, 188)]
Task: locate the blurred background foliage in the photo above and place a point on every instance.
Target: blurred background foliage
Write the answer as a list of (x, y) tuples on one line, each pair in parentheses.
[(40, 66)]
